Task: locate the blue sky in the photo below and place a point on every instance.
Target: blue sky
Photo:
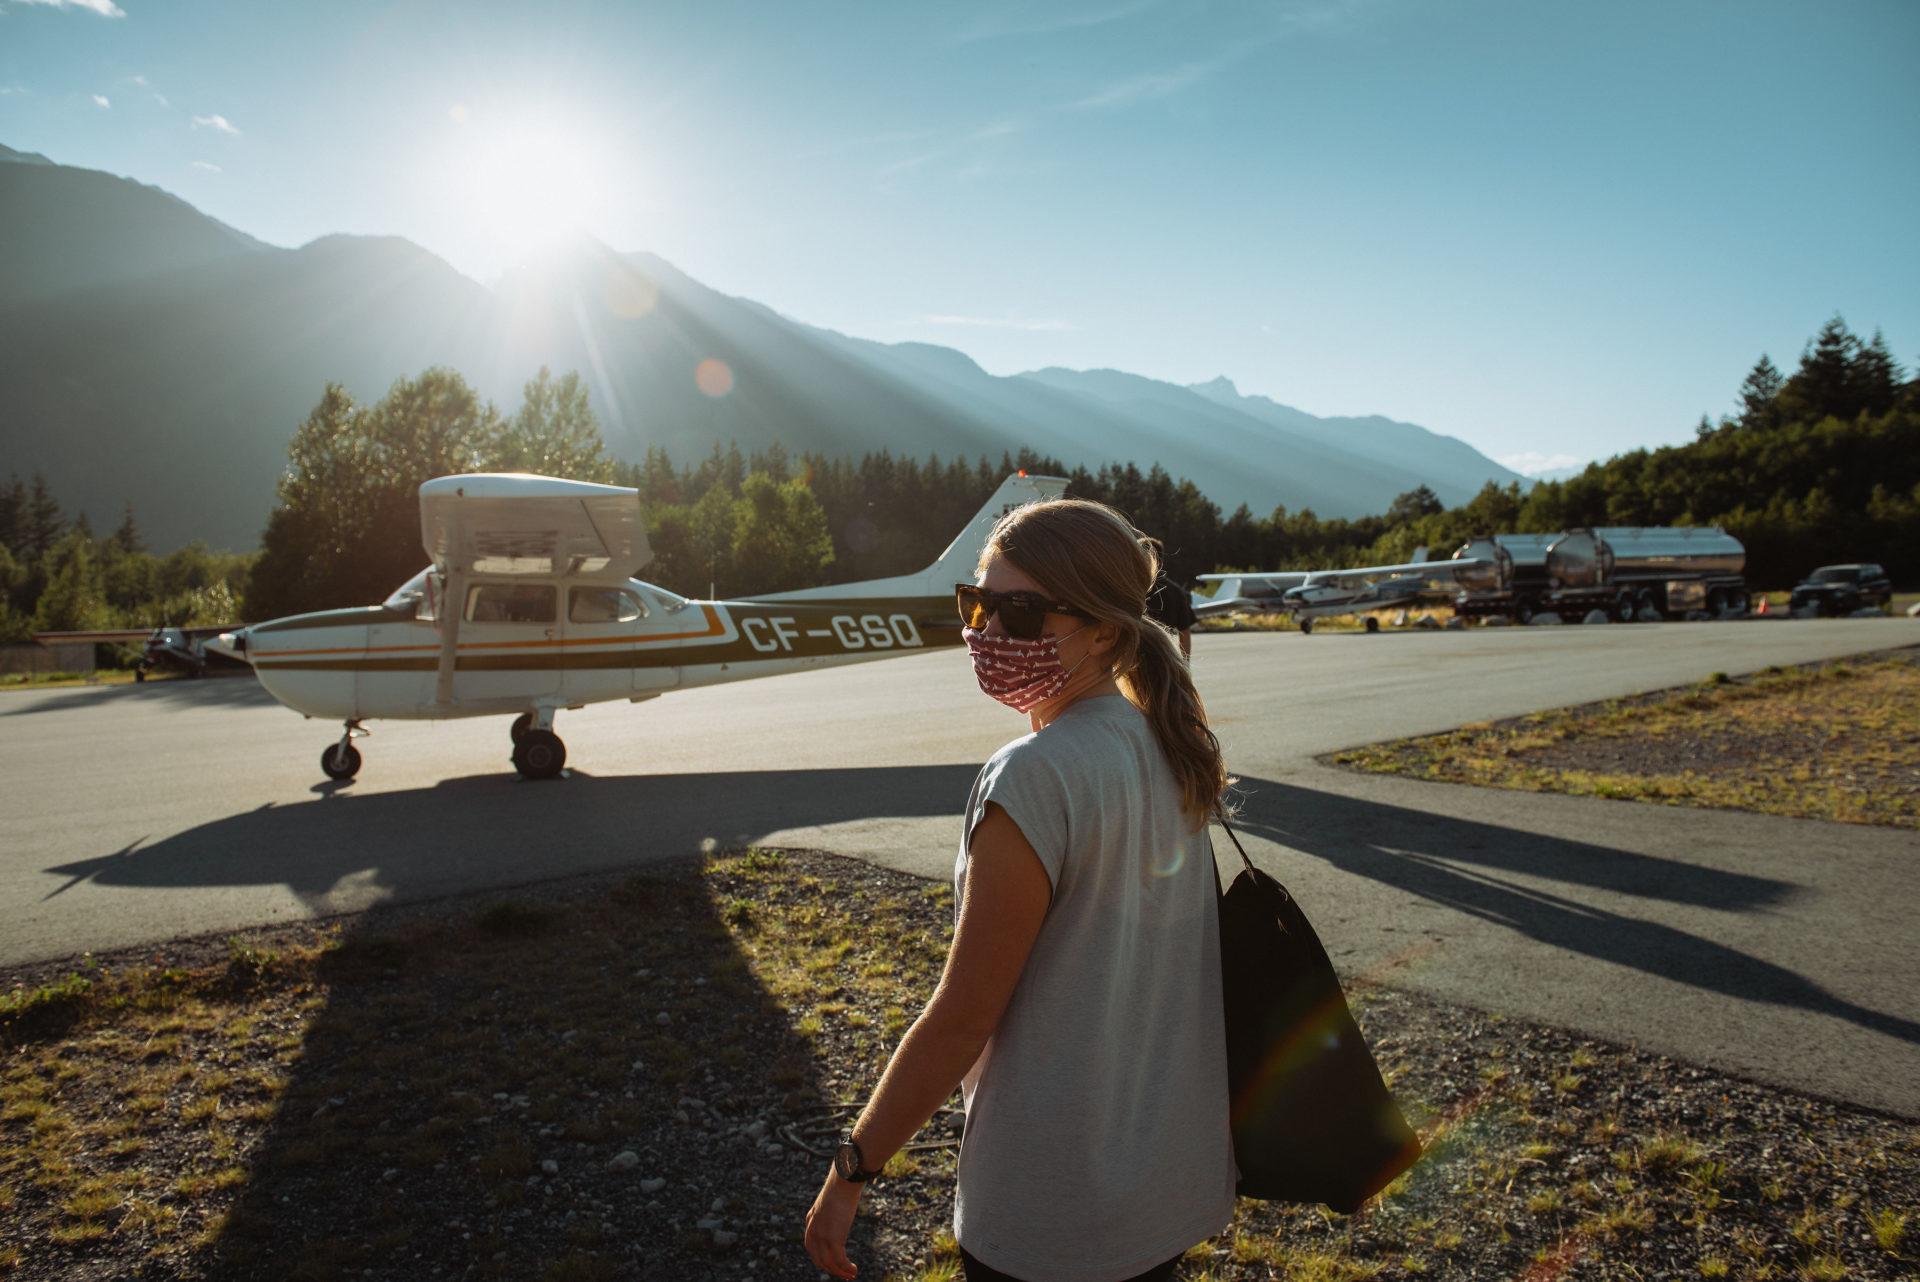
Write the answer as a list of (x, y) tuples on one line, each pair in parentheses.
[(1557, 231)]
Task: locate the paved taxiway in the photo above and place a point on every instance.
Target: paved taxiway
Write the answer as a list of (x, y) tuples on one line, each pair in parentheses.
[(1780, 949)]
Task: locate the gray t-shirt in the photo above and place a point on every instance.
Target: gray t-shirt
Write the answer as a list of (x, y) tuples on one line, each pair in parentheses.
[(1097, 1141)]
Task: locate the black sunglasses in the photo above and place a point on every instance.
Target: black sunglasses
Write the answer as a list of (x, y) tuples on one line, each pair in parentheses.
[(1022, 614)]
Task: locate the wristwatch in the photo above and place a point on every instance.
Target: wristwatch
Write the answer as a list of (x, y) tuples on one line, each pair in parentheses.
[(849, 1163)]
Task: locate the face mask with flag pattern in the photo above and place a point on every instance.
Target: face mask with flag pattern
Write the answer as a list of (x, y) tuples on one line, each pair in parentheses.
[(1020, 673)]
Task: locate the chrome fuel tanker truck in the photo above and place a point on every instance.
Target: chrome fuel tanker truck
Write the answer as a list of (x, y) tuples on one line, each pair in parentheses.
[(1626, 571)]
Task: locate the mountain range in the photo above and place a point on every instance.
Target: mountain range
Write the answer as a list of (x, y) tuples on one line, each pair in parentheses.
[(149, 353)]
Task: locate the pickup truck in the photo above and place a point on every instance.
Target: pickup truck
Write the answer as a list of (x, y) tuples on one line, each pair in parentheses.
[(1842, 589)]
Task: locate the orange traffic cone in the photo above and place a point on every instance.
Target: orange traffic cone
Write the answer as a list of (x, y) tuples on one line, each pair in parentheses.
[(1763, 605)]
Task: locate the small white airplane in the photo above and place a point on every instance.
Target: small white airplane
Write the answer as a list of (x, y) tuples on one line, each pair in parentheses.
[(1248, 593), (164, 647), (1318, 594), (529, 606)]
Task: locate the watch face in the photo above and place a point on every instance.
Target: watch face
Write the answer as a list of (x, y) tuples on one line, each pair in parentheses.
[(846, 1161)]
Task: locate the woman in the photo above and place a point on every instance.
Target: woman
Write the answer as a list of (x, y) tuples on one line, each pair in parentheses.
[(1080, 1006)]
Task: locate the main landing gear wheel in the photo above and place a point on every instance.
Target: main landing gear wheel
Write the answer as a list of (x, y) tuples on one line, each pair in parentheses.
[(539, 754), (341, 761), (521, 724), (1373, 624), (1306, 626)]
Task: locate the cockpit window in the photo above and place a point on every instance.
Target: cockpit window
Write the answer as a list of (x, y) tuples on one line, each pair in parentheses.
[(510, 603), (417, 598), (603, 605)]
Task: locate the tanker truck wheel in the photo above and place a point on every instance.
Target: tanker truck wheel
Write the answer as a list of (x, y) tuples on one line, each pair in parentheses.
[(1523, 614), (1625, 608)]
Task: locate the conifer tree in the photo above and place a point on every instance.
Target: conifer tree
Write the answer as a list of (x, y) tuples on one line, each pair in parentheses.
[(1875, 377), (13, 515), (1757, 395), (1823, 385), (128, 534), (42, 524)]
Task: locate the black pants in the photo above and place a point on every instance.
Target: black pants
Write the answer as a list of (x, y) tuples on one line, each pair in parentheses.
[(978, 1272)]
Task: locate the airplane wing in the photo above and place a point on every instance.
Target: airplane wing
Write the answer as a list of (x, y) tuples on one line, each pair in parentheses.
[(1433, 571), (118, 636), (518, 523)]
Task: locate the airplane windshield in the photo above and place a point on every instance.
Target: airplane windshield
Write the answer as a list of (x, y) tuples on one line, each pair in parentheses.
[(415, 597)]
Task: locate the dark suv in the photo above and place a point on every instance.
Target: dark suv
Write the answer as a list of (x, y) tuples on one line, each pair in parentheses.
[(1842, 589)]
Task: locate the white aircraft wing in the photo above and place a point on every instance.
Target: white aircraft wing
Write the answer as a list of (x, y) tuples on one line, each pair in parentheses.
[(1441, 572), (517, 523)]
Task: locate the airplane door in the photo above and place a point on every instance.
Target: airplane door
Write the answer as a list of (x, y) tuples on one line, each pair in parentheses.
[(511, 644), (609, 654)]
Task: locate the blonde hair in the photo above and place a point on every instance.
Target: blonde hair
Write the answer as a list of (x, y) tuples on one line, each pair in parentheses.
[(1089, 556)]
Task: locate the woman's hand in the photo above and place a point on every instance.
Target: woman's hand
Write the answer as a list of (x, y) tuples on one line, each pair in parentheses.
[(828, 1224)]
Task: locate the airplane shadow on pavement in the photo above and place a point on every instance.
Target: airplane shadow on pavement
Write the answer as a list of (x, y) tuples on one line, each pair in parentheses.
[(492, 831), (1461, 864)]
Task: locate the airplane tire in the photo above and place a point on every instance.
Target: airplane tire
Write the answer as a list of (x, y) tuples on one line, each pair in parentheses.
[(539, 754), (1373, 624), (340, 762), (1306, 627), (521, 724)]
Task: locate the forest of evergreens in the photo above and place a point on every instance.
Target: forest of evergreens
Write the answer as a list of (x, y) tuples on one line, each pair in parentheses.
[(1815, 467)]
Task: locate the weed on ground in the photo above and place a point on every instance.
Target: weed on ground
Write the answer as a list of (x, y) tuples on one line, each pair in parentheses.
[(641, 1076), (1837, 741)]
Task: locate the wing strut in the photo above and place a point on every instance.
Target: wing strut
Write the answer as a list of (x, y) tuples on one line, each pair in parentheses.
[(453, 604)]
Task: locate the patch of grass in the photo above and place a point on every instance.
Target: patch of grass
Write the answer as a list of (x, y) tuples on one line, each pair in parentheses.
[(1837, 742)]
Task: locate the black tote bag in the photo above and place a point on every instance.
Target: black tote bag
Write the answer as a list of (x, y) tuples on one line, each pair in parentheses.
[(1312, 1119)]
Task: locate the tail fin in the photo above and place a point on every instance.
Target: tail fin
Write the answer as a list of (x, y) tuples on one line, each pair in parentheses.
[(956, 563)]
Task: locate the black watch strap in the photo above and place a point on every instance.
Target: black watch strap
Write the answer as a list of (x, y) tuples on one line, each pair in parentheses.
[(849, 1163)]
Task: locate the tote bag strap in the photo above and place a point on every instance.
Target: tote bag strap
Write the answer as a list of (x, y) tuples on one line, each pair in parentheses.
[(1220, 817)]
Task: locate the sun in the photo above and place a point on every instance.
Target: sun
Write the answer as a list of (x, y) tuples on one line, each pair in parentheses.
[(527, 186)]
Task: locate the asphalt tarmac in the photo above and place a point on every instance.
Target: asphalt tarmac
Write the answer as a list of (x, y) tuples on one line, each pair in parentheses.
[(1782, 950)]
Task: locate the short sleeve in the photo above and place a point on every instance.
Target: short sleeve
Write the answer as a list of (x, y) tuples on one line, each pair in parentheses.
[(1028, 785)]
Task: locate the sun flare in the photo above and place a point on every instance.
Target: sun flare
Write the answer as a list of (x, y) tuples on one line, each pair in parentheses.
[(529, 186)]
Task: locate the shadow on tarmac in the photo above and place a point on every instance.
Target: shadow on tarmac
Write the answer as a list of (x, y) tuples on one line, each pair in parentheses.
[(1460, 864), (216, 690), (431, 841), (339, 849)]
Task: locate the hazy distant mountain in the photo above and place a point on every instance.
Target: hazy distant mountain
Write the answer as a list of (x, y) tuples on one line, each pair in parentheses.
[(150, 353)]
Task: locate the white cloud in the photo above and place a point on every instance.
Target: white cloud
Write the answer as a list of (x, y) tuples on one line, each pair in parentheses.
[(139, 80), (216, 122), (102, 100), (105, 8), (7, 89), (1534, 463), (997, 28), (161, 99), (1159, 84), (995, 322), (207, 165)]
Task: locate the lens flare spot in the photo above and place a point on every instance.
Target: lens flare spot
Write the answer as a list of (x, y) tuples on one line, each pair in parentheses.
[(631, 294), (713, 376), (1169, 862)]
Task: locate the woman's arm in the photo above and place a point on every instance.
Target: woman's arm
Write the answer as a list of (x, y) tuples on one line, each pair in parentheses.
[(1006, 900)]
